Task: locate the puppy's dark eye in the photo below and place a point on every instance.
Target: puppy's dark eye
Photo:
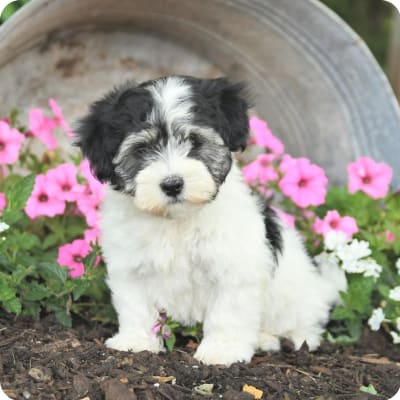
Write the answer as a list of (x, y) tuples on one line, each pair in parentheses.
[(196, 140), (143, 117)]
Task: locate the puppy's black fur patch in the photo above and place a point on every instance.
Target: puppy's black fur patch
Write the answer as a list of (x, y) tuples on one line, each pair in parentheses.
[(273, 231), (223, 106), (110, 119)]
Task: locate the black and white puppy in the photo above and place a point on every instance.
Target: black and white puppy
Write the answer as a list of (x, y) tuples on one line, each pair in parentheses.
[(181, 231)]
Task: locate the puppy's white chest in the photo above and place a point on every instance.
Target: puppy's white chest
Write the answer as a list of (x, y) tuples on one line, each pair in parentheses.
[(181, 277)]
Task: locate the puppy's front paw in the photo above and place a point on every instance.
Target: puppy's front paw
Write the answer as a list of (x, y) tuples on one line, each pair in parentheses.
[(125, 342), (225, 352)]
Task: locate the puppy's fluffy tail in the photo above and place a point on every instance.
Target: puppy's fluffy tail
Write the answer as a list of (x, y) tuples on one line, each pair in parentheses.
[(336, 279)]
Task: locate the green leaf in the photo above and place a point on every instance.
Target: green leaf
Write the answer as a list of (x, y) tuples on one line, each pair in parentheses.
[(35, 292), (19, 193), (32, 309), (358, 295), (27, 241), (80, 288), (384, 290), (11, 217), (369, 389), (6, 292), (63, 318), (90, 261), (170, 343), (53, 272), (343, 340), (20, 273), (341, 312), (49, 241), (13, 305)]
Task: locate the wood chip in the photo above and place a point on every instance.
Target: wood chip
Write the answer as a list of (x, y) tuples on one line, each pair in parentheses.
[(113, 390), (165, 379), (373, 360), (81, 385), (320, 370), (256, 393), (124, 380), (40, 374), (205, 389), (10, 393)]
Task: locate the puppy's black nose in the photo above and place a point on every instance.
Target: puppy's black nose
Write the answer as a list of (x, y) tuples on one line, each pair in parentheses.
[(172, 185)]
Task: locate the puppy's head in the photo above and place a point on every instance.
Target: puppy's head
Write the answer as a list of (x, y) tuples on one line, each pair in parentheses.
[(166, 142)]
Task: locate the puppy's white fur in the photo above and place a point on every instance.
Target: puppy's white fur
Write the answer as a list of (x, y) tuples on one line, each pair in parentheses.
[(211, 265)]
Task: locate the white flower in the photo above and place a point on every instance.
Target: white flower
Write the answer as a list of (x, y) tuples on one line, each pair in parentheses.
[(334, 240), (327, 259), (394, 294), (354, 251), (376, 319), (398, 324), (398, 265), (371, 267), (395, 337), (3, 226), (353, 267)]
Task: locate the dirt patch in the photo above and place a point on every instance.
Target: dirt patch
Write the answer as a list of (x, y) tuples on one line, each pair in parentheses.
[(43, 360)]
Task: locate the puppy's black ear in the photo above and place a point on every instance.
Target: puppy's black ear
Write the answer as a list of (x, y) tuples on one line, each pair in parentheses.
[(97, 140), (110, 119), (232, 104)]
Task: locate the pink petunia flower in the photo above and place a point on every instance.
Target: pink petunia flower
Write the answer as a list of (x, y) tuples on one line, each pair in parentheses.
[(10, 143), (370, 177), (334, 222), (71, 255), (288, 219), (92, 235), (95, 187), (263, 136), (390, 237), (304, 183), (261, 170), (42, 200), (65, 183), (3, 202), (60, 118), (88, 206), (287, 163), (42, 127)]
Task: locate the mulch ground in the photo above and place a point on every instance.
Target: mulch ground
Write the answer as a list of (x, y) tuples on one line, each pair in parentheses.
[(43, 360)]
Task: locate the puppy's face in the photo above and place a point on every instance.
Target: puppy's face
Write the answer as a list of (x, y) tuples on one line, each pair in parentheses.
[(166, 142)]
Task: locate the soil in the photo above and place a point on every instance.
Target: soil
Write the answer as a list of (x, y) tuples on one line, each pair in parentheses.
[(43, 360)]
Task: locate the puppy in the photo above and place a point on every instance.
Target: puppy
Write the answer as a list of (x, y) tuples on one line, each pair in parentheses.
[(181, 231)]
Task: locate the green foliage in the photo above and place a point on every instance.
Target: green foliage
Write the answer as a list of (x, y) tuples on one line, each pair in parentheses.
[(11, 9), (31, 283), (370, 389), (364, 294)]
